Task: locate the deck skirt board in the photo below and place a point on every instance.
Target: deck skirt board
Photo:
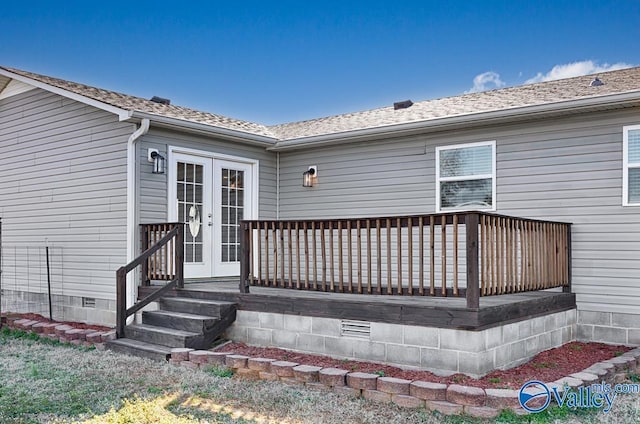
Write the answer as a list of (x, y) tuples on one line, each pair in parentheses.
[(408, 310)]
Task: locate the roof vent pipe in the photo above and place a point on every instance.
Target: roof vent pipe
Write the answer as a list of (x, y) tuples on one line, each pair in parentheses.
[(596, 82), (161, 100), (402, 105)]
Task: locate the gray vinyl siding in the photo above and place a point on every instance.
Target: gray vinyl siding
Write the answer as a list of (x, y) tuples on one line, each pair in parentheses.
[(62, 183), (152, 193), (567, 169), (361, 179)]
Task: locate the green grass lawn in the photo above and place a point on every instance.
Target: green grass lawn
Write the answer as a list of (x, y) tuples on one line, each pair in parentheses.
[(42, 382)]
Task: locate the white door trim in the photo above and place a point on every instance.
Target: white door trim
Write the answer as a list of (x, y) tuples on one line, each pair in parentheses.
[(174, 151)]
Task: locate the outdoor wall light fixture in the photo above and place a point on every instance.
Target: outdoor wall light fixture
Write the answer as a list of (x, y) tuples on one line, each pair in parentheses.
[(310, 177), (157, 159)]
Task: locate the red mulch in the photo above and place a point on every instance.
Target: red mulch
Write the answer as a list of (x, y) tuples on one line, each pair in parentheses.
[(80, 325), (547, 366)]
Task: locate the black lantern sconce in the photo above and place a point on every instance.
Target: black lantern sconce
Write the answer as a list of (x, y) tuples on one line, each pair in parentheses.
[(158, 161), (310, 177)]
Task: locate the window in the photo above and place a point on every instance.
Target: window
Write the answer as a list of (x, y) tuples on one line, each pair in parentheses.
[(465, 176), (631, 166)]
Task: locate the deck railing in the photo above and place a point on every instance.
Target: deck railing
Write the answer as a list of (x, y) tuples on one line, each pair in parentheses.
[(172, 241), (450, 254), (161, 264)]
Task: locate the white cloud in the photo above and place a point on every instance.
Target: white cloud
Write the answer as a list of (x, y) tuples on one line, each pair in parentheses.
[(482, 81), (576, 69)]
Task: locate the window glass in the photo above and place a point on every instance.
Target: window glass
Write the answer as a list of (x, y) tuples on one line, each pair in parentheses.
[(634, 185), (634, 146), (463, 194), (465, 176), (631, 171), (466, 161)]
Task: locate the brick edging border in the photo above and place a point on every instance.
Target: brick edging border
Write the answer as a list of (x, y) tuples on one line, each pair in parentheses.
[(64, 333), (452, 399)]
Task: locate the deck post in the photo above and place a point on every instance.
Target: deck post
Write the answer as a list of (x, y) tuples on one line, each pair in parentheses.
[(121, 301), (180, 256), (567, 288), (473, 290), (245, 257), (144, 245)]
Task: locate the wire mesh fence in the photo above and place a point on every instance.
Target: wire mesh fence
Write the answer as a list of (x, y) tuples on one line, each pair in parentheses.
[(31, 279)]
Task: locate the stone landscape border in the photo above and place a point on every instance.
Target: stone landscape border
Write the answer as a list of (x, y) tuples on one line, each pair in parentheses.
[(64, 333), (452, 399)]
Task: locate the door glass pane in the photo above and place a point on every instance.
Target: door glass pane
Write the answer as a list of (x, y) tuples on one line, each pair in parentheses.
[(181, 171), (189, 187), (240, 198), (232, 211)]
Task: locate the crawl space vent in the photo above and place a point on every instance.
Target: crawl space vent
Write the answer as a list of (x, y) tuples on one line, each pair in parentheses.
[(88, 302), (352, 328)]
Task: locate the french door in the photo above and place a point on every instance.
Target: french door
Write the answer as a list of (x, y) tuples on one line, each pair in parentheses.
[(210, 197)]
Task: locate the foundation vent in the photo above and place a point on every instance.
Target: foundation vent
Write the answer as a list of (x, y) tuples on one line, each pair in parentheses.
[(352, 328), (88, 302)]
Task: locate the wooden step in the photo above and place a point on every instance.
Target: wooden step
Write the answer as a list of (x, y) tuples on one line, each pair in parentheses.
[(140, 348), (170, 337), (179, 320), (212, 308)]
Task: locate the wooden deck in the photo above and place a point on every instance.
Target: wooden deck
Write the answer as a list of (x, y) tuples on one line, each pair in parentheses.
[(449, 312)]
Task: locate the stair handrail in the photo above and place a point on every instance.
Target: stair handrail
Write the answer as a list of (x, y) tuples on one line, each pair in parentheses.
[(122, 312)]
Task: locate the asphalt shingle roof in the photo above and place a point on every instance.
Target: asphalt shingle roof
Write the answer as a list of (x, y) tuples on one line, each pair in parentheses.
[(615, 82), (127, 102)]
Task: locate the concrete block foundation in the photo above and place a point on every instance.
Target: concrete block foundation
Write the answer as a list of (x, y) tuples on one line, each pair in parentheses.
[(440, 350)]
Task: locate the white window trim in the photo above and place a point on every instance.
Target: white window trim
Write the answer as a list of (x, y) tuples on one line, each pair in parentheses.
[(474, 177), (626, 165)]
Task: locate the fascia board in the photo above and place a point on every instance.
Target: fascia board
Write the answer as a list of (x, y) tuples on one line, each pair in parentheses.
[(204, 129)]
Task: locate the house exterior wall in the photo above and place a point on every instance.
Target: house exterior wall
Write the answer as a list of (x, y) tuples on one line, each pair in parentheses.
[(566, 169), (152, 192), (63, 185)]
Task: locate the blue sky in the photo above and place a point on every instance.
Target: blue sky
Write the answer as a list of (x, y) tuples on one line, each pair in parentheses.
[(274, 62)]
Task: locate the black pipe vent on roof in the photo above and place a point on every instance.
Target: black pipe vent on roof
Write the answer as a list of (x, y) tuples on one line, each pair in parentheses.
[(402, 105), (161, 100)]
